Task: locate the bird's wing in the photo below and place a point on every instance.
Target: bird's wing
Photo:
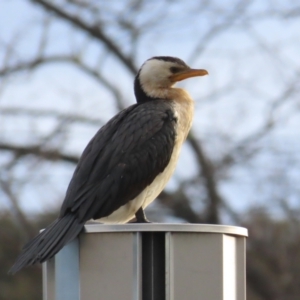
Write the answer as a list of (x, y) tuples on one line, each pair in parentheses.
[(122, 159)]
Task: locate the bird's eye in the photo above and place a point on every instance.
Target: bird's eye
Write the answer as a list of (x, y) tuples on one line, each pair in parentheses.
[(175, 69)]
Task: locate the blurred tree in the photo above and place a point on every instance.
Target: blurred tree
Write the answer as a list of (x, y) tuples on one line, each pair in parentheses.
[(25, 285), (59, 59), (273, 260)]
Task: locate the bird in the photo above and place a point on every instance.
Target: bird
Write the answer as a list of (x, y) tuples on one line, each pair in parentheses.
[(127, 163)]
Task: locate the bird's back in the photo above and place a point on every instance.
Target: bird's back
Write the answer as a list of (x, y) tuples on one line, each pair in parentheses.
[(123, 158)]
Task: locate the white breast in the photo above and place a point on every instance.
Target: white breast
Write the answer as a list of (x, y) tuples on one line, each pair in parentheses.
[(184, 111)]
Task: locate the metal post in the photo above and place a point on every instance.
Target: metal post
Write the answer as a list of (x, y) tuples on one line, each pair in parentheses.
[(150, 262), (153, 265)]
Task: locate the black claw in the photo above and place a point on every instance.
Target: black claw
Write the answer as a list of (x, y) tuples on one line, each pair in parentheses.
[(141, 217)]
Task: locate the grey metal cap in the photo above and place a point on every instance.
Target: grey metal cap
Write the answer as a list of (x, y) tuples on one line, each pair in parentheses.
[(165, 227)]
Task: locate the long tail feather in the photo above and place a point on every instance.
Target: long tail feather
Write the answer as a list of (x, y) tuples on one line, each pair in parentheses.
[(49, 242)]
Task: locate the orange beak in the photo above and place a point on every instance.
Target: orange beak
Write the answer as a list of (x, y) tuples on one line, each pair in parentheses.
[(187, 74)]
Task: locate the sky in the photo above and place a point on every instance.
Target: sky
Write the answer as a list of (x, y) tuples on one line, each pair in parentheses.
[(233, 58)]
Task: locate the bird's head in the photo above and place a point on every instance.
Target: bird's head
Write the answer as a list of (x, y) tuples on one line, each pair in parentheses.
[(160, 73)]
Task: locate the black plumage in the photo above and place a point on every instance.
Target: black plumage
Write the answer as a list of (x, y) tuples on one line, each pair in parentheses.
[(122, 159), (127, 163)]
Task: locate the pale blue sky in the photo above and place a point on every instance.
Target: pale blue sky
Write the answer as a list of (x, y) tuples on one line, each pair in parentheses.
[(232, 56)]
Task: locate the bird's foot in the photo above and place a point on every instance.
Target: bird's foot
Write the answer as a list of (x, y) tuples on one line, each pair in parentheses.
[(140, 217)]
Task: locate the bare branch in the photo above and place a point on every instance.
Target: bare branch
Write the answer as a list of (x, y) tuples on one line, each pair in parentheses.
[(98, 76), (52, 155), (32, 64), (219, 28), (180, 206), (50, 113), (19, 217), (73, 59), (207, 171), (94, 31)]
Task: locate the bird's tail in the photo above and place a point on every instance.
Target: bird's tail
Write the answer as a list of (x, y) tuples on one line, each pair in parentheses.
[(48, 242)]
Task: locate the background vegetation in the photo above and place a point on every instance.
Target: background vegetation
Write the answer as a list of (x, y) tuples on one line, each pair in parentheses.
[(67, 66)]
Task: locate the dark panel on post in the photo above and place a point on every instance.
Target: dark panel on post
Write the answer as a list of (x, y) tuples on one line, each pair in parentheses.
[(153, 266)]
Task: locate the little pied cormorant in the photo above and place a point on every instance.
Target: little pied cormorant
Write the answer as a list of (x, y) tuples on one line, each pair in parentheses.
[(127, 163)]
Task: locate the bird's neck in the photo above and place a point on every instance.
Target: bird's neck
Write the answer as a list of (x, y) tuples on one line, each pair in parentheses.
[(140, 95), (184, 109), (148, 92)]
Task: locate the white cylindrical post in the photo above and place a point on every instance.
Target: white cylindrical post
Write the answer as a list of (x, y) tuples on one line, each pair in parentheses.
[(150, 261)]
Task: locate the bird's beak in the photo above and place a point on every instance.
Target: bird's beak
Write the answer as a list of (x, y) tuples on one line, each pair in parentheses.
[(187, 74)]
